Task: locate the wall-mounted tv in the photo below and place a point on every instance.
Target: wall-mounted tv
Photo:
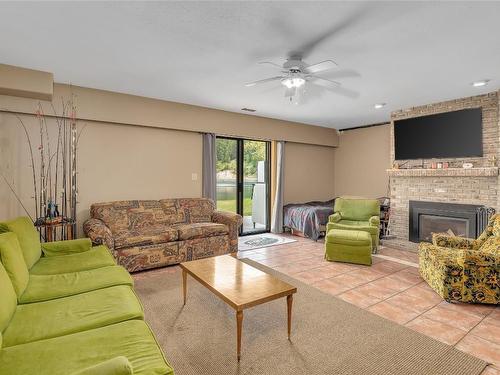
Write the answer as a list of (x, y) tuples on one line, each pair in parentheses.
[(444, 135)]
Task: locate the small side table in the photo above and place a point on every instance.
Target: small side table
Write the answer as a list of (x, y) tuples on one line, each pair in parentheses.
[(56, 230)]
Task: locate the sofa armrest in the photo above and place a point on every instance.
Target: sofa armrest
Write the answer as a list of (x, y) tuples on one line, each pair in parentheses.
[(56, 248), (445, 256), (335, 218), (233, 222), (114, 366), (374, 221), (444, 240), (99, 233), (488, 255)]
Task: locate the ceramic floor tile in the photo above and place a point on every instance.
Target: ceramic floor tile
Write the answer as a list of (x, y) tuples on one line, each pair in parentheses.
[(367, 274), (415, 303), (348, 279), (407, 276), (476, 309), (487, 330), (438, 330), (491, 370), (327, 272), (309, 276), (462, 320), (389, 282), (429, 295), (481, 348), (290, 268), (332, 287), (388, 267), (342, 267), (392, 312), (376, 291), (358, 298)]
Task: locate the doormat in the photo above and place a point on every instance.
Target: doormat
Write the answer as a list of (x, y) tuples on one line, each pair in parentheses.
[(258, 241)]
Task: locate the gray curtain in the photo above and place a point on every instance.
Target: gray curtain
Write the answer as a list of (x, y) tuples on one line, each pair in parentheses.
[(277, 214), (209, 189)]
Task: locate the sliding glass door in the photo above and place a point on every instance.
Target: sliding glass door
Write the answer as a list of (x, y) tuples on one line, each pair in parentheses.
[(243, 181)]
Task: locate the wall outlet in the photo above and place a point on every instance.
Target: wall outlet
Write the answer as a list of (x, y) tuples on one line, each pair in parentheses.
[(194, 176)]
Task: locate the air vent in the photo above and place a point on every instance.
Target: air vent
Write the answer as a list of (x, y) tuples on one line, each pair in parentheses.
[(248, 109)]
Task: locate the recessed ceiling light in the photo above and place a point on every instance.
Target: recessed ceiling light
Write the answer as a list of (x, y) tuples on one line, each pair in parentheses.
[(379, 105), (481, 83)]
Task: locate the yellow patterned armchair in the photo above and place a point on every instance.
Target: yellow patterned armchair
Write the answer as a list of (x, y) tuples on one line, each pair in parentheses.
[(464, 269)]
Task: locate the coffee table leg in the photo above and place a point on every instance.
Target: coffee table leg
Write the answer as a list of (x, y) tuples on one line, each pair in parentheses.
[(184, 284), (239, 322), (289, 300)]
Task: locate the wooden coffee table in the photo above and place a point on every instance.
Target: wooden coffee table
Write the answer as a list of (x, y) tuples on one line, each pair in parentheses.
[(240, 285)]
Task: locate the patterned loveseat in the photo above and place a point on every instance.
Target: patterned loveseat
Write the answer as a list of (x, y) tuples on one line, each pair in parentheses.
[(464, 269), (145, 234)]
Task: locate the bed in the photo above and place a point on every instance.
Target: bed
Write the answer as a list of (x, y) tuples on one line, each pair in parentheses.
[(308, 219)]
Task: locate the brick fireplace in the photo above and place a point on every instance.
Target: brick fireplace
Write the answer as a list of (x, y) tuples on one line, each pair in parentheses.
[(417, 182)]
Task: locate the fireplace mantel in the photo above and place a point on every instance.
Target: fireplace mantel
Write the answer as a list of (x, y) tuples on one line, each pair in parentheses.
[(444, 172)]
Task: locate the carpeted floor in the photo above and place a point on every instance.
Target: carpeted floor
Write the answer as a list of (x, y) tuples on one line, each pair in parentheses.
[(329, 336)]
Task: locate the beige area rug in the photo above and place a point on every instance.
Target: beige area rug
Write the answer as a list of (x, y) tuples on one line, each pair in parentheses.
[(329, 336)]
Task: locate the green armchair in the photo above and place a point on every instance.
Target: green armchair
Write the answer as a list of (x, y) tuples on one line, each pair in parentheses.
[(464, 269), (357, 214)]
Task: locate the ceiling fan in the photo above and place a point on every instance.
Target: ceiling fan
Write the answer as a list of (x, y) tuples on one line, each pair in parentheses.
[(295, 73)]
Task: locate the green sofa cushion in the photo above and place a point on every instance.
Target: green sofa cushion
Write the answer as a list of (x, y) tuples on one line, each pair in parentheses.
[(357, 209), (96, 257), (46, 287), (355, 225), (8, 299), (114, 366), (67, 354), (28, 237), (63, 316), (57, 248), (13, 261)]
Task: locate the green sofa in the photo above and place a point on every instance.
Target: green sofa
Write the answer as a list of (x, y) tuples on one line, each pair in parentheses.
[(67, 308), (357, 214)]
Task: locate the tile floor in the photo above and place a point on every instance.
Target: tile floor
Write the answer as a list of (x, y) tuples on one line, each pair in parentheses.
[(393, 289)]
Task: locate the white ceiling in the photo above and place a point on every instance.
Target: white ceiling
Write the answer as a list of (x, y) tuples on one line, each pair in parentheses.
[(202, 53)]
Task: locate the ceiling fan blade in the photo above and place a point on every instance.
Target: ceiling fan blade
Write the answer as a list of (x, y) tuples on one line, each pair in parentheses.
[(277, 78), (323, 81), (343, 73), (270, 63), (333, 86), (321, 66), (347, 23)]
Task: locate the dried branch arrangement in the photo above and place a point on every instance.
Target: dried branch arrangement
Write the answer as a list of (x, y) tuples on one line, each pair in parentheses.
[(53, 169)]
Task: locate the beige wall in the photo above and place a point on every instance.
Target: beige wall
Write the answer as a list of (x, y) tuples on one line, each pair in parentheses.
[(309, 173), (114, 162), (129, 162), (112, 107), (361, 160)]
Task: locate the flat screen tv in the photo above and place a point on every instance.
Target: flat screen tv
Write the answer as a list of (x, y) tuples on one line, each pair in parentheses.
[(444, 135)]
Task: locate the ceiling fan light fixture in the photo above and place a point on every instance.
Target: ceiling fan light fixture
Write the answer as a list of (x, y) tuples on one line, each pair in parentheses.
[(293, 82), (480, 83)]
